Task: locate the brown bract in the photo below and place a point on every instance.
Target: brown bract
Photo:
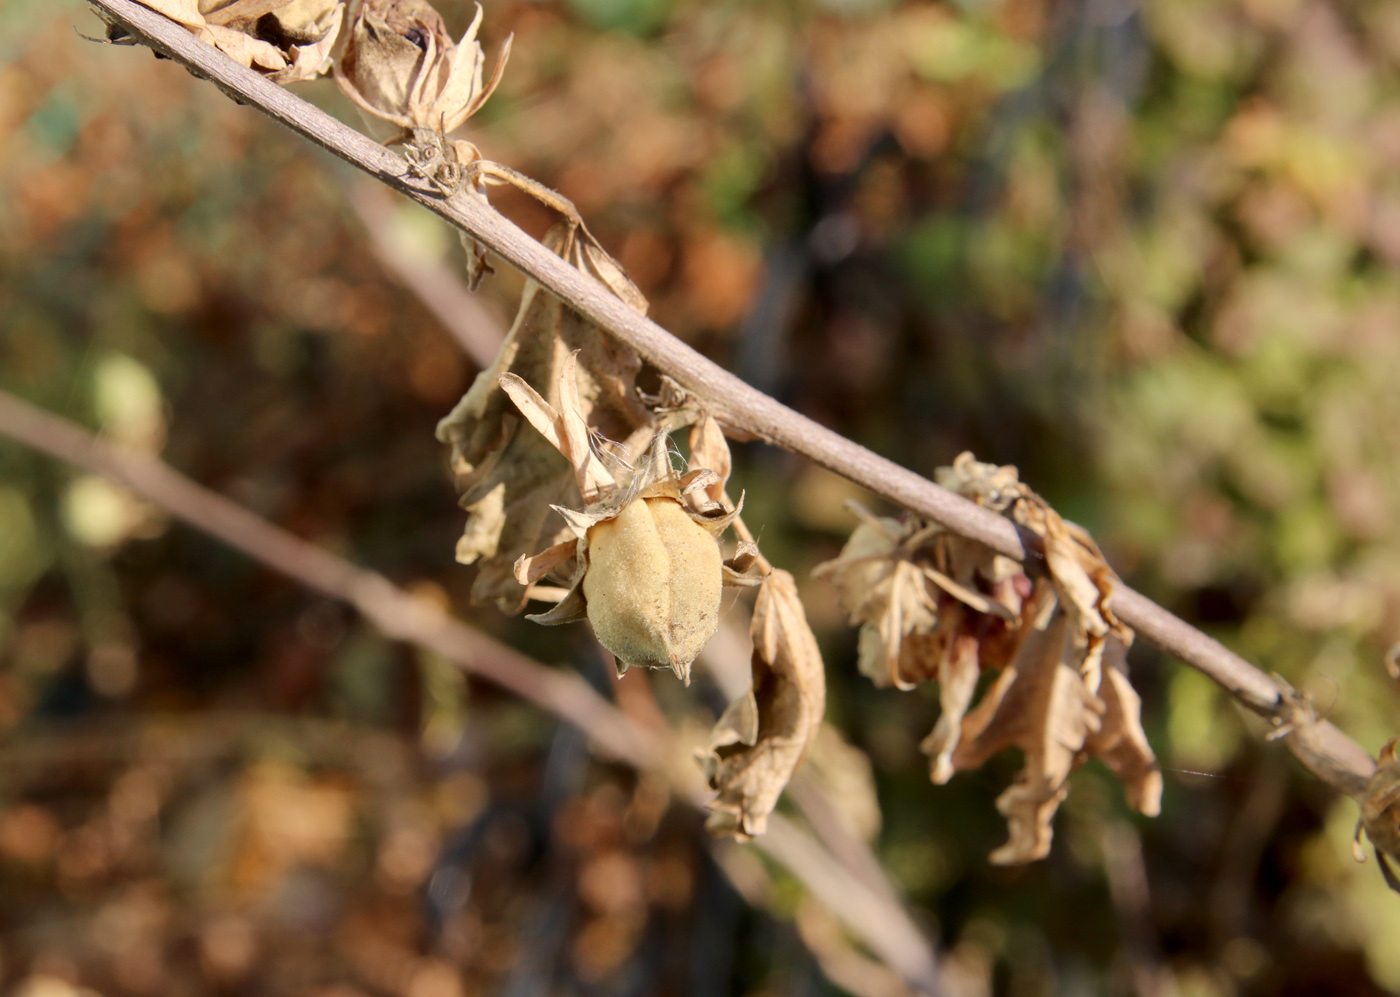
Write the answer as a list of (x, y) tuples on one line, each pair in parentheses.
[(1380, 814), (934, 606), (511, 475), (286, 40)]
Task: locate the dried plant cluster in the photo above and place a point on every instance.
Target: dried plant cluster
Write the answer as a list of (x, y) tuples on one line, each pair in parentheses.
[(934, 606), (574, 497), (567, 471), (396, 62), (286, 40)]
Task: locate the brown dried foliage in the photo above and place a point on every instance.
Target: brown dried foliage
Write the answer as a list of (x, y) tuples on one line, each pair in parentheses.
[(286, 40), (764, 735), (1380, 814), (933, 606), (638, 554), (511, 475)]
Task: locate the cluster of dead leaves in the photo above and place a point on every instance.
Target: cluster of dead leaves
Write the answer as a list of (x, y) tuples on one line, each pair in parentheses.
[(574, 497), (935, 606), (286, 40), (1380, 814)]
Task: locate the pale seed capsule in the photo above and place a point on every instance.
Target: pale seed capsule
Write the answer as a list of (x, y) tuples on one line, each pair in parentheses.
[(653, 585)]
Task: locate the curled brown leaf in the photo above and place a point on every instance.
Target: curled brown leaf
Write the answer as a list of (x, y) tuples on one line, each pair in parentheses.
[(765, 734)]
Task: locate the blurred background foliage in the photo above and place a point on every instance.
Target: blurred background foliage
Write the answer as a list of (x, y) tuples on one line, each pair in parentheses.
[(1145, 251)]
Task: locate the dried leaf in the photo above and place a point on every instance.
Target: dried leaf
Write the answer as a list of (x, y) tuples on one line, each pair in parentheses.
[(244, 49), (764, 735), (1380, 814), (710, 450), (289, 40), (184, 12), (882, 590), (1120, 740), (509, 474), (1040, 705), (315, 38), (936, 606)]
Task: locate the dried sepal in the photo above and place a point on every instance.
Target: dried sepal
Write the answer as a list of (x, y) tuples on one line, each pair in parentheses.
[(509, 474), (935, 606), (564, 428), (287, 40), (764, 735), (746, 568), (1380, 814)]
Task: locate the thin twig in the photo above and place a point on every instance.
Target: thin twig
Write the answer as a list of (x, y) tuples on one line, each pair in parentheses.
[(872, 914)]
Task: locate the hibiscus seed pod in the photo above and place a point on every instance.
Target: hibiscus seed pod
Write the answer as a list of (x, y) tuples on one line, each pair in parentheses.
[(653, 585)]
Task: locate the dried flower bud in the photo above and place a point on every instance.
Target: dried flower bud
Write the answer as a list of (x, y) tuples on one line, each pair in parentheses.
[(401, 65), (653, 585)]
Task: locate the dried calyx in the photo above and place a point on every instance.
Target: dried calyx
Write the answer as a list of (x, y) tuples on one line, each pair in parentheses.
[(287, 40), (934, 606), (401, 65)]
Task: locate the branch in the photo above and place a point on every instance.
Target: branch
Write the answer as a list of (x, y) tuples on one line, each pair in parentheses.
[(1324, 749), (870, 911)]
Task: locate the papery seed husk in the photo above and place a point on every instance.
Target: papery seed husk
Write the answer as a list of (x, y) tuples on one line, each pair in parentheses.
[(653, 585)]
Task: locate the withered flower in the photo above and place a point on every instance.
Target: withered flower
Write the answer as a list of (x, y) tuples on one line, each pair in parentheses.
[(287, 40), (647, 569), (401, 65)]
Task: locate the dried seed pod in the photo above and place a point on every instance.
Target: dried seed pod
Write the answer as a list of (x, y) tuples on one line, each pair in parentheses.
[(653, 584), (647, 567)]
